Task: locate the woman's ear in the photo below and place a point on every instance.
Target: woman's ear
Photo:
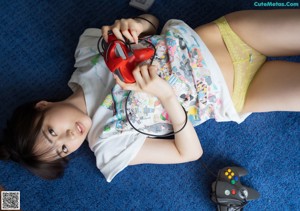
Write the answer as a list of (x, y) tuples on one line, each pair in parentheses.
[(42, 105)]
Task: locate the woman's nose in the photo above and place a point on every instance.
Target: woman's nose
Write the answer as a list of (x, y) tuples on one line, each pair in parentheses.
[(70, 133)]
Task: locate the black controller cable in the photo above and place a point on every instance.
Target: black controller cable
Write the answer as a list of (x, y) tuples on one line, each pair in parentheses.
[(101, 43), (209, 171), (234, 207)]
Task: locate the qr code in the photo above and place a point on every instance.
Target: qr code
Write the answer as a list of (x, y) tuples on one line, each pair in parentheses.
[(10, 200)]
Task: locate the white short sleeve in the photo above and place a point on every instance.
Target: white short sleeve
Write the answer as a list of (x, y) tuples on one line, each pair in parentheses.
[(114, 154), (91, 71)]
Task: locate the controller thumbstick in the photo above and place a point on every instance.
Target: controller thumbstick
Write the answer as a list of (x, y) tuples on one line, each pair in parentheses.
[(243, 193)]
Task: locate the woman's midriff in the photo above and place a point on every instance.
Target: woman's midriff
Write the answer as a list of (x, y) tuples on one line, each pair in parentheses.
[(211, 36)]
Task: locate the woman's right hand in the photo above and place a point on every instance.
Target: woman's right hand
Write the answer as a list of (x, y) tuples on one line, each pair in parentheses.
[(148, 81), (129, 28)]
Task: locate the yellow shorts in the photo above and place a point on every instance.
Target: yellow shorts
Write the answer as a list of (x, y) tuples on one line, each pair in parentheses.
[(246, 62)]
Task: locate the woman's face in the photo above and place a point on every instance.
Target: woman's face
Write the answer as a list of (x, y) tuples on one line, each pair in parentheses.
[(64, 129)]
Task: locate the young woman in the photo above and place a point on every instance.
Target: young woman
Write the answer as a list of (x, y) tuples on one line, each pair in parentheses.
[(218, 70)]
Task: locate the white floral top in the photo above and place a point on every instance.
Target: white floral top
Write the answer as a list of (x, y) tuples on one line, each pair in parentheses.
[(183, 60)]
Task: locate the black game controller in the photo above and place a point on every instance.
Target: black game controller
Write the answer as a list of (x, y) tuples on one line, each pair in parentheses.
[(228, 192)]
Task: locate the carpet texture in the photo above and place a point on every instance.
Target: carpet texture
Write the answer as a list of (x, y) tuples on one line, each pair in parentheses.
[(37, 43)]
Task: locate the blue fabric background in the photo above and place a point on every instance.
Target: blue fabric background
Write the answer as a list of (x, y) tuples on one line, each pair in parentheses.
[(37, 43)]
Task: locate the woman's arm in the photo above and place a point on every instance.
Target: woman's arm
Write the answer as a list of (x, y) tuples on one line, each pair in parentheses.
[(186, 145), (132, 28), (149, 22)]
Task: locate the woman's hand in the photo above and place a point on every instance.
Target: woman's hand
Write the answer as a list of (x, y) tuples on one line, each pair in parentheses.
[(148, 81), (129, 28)]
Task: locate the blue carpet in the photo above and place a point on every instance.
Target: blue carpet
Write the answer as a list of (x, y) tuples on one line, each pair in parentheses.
[(37, 43)]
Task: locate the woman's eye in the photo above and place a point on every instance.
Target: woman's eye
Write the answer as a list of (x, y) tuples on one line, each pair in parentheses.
[(64, 149), (51, 131)]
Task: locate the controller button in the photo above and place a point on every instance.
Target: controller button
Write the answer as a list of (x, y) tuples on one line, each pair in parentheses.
[(232, 174), (229, 177), (232, 182), (236, 178), (229, 170), (227, 192), (233, 191), (226, 173)]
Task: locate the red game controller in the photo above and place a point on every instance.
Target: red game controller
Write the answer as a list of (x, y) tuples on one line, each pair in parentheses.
[(121, 59)]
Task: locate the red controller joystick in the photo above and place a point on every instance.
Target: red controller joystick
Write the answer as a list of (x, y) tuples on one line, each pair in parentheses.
[(121, 60)]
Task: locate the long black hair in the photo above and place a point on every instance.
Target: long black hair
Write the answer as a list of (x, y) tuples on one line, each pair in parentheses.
[(19, 141)]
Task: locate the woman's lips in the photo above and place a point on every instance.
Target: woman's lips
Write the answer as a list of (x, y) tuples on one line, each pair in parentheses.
[(80, 127)]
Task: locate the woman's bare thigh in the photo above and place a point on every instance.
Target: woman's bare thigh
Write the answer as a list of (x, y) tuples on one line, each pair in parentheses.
[(271, 32), (275, 87)]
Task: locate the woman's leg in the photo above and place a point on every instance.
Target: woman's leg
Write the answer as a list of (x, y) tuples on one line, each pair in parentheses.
[(271, 32), (275, 87)]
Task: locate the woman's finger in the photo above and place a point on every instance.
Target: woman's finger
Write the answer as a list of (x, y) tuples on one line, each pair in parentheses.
[(138, 77), (145, 73), (128, 29), (104, 31), (127, 34), (118, 34), (134, 36), (116, 29), (153, 71), (124, 85)]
